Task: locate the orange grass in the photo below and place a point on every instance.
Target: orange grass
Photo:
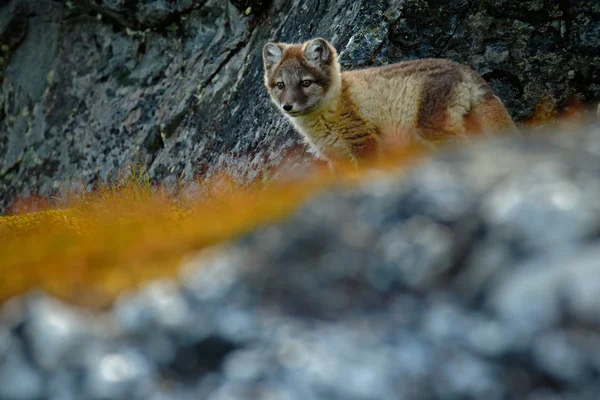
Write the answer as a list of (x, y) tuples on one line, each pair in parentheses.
[(123, 234)]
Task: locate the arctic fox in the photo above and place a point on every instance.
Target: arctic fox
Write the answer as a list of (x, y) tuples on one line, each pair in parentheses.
[(352, 115)]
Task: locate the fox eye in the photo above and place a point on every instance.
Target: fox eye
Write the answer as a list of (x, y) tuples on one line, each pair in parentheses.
[(280, 85), (306, 83)]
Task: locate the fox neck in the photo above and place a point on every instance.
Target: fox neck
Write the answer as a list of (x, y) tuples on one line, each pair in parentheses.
[(331, 103)]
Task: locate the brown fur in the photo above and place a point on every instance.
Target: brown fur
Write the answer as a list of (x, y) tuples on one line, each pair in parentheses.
[(489, 115), (350, 115)]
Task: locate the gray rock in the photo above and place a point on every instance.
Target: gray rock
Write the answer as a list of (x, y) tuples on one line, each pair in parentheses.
[(19, 380), (55, 331), (117, 374), (92, 86)]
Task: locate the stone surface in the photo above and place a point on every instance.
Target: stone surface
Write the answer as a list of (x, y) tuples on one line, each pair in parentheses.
[(472, 276), (92, 86)]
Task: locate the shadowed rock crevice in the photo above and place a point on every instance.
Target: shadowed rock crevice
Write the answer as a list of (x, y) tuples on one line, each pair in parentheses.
[(191, 363), (138, 15)]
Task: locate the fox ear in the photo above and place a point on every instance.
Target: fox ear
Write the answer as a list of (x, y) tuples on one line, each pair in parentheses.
[(318, 51), (272, 54)]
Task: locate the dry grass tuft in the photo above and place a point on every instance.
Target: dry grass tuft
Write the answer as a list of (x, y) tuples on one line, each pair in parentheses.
[(129, 231)]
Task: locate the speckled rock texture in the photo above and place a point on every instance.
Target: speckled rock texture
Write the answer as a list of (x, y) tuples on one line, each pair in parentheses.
[(91, 86), (472, 276)]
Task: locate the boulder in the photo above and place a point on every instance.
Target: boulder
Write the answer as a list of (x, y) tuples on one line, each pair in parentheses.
[(472, 276)]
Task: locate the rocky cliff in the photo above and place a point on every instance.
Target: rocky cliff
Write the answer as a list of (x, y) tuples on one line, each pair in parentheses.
[(91, 86)]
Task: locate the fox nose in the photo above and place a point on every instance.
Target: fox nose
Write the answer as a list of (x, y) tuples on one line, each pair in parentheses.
[(287, 107)]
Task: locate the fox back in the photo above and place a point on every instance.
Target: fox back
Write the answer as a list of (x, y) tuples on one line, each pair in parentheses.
[(355, 114)]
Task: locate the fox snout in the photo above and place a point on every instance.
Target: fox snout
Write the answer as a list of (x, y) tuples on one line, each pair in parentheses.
[(293, 99), (295, 92)]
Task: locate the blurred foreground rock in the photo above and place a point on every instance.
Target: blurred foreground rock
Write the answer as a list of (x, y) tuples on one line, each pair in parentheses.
[(89, 87), (474, 276)]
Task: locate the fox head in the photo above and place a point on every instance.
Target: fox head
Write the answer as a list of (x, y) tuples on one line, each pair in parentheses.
[(299, 77)]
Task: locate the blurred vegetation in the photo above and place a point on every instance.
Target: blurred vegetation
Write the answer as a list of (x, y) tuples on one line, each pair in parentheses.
[(129, 231)]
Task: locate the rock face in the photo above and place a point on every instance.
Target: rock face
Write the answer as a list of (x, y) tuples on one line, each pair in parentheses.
[(474, 276), (91, 86)]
